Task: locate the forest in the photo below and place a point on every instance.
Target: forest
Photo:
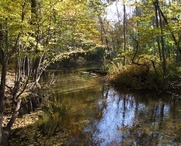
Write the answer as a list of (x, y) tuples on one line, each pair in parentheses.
[(137, 48)]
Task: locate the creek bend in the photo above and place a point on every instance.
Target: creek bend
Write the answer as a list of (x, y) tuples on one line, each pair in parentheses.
[(83, 110)]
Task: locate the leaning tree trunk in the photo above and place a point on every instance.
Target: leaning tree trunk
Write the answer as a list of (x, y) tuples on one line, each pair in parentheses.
[(7, 129), (157, 26), (164, 64), (159, 22), (176, 41)]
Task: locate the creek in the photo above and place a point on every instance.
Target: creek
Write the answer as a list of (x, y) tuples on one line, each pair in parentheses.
[(81, 109)]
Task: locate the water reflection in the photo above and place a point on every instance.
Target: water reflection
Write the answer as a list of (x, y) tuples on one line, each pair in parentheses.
[(116, 114), (81, 110), (131, 120)]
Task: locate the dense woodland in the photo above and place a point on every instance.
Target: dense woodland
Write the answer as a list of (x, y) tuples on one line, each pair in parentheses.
[(140, 50)]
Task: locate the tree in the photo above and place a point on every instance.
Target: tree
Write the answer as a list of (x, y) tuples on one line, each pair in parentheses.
[(36, 34), (152, 37)]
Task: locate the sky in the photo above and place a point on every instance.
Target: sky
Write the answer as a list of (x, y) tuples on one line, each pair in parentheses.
[(113, 10), (117, 8)]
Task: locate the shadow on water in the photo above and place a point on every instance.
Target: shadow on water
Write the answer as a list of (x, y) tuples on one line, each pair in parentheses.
[(82, 110)]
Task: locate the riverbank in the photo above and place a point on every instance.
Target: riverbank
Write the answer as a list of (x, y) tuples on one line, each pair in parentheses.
[(28, 114), (138, 78)]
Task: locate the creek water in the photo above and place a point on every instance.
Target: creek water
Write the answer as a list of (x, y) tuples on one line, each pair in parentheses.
[(82, 110)]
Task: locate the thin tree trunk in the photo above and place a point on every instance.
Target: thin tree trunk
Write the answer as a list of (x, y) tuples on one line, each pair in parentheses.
[(159, 22), (163, 47), (124, 30), (176, 42), (157, 26), (164, 63)]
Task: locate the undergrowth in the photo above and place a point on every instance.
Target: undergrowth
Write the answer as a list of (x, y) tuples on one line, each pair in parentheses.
[(146, 77)]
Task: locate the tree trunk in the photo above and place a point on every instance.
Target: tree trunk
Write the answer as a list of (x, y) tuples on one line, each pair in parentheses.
[(124, 31), (157, 26), (2, 83), (2, 92), (159, 22), (163, 49), (7, 129), (176, 42)]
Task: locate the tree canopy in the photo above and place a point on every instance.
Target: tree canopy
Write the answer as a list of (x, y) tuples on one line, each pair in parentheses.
[(35, 33)]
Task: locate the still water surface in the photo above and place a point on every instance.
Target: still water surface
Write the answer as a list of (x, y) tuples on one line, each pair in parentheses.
[(83, 110)]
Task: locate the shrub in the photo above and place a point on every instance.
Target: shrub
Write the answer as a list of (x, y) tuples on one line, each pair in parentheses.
[(130, 76)]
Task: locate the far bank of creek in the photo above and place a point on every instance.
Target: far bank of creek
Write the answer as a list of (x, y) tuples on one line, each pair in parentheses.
[(80, 109)]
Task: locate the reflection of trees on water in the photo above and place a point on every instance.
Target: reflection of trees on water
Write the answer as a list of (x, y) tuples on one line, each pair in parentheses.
[(118, 119), (114, 116), (131, 120)]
